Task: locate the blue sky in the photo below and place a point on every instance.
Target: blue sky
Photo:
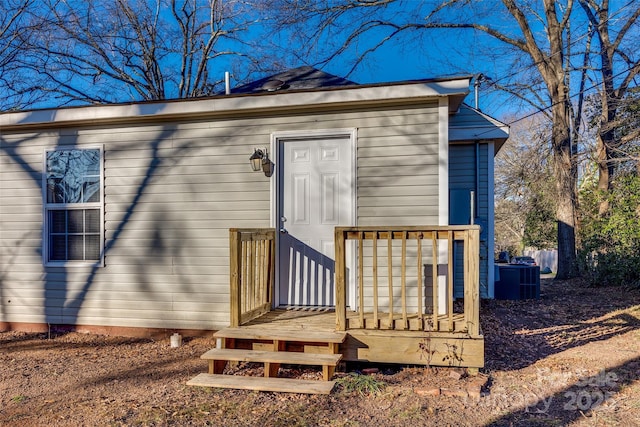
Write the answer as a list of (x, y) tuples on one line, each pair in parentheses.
[(437, 53), (424, 54), (416, 55), (399, 61)]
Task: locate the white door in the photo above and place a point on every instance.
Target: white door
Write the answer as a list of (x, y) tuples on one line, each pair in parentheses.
[(316, 195)]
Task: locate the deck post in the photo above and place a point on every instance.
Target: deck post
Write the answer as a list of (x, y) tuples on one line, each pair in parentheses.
[(235, 261), (341, 282), (472, 282)]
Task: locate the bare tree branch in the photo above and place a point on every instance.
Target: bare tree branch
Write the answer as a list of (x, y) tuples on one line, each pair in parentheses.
[(13, 29), (614, 89), (91, 51), (357, 22)]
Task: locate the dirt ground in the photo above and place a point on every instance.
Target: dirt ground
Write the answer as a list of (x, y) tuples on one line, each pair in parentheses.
[(570, 358)]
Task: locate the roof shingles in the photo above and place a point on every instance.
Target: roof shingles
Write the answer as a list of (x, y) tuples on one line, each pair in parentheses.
[(305, 77)]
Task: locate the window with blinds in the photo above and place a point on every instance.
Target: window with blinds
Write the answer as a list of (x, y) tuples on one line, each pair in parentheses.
[(73, 206)]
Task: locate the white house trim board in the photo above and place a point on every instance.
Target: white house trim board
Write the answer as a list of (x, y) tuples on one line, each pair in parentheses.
[(443, 193), (443, 162), (236, 105)]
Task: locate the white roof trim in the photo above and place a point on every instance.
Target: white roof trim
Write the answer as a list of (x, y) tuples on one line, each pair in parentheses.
[(236, 104), (493, 129)]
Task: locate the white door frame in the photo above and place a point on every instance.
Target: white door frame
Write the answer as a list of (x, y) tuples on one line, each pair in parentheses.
[(276, 188)]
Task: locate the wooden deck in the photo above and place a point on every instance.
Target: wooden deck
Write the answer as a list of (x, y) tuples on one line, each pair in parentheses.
[(405, 314), (413, 264), (422, 347)]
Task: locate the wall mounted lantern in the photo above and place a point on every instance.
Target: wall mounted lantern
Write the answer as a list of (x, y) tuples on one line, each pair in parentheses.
[(260, 161)]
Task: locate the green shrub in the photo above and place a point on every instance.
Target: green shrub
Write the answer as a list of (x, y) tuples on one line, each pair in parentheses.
[(610, 243)]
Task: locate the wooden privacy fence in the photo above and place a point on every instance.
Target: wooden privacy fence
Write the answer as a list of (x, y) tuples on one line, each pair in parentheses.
[(252, 273), (399, 273)]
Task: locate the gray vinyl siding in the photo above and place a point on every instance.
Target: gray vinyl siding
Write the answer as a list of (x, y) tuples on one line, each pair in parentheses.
[(398, 185), (398, 170), (462, 176), (171, 192)]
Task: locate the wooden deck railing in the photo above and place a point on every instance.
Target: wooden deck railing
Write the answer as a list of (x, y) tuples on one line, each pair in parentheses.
[(252, 268), (399, 273)]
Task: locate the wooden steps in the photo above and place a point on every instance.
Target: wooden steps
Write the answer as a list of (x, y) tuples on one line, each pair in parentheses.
[(271, 356), (218, 358), (273, 348), (282, 335), (281, 385)]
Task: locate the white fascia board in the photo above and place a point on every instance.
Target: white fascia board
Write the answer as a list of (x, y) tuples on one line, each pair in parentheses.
[(235, 104)]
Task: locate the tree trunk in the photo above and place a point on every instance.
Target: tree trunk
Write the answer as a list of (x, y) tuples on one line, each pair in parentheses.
[(566, 189), (605, 172)]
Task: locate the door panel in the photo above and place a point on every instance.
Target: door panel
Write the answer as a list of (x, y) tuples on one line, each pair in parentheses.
[(301, 199), (330, 202), (316, 195)]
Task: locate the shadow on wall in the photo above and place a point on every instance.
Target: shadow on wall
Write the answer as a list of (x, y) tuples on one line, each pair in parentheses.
[(308, 274), (156, 161), (62, 299)]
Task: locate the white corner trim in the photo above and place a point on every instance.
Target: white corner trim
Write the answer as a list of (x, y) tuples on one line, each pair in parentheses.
[(443, 161)]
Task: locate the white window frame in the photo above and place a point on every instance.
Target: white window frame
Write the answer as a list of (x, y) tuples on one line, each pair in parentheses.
[(47, 207)]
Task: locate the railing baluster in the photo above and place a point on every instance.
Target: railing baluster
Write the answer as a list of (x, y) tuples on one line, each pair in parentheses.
[(261, 273), (361, 278), (450, 281), (434, 279), (390, 275), (376, 321), (403, 280), (266, 269), (419, 282), (271, 273), (252, 275), (245, 276), (467, 309)]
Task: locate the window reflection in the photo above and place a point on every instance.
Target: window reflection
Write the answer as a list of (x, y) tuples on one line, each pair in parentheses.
[(73, 176)]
